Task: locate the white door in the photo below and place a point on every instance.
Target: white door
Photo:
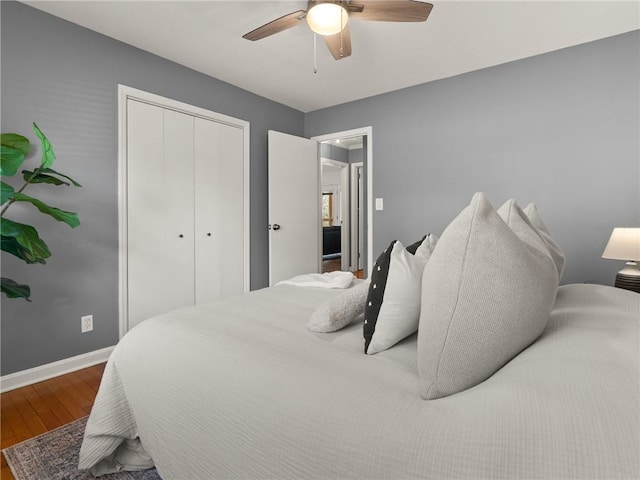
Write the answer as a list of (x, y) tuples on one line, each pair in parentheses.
[(160, 228), (294, 207), (219, 211), (184, 205)]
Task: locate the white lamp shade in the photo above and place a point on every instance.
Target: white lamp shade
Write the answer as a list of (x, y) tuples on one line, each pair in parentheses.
[(624, 244), (327, 18)]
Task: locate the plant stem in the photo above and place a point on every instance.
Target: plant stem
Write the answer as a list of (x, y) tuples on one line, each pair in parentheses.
[(26, 183)]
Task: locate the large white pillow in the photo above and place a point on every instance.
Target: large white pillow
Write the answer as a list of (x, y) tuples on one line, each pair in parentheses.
[(393, 302), (486, 295), (554, 249), (522, 225)]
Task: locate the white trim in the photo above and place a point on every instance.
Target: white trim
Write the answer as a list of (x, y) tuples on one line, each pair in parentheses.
[(55, 369), (334, 163), (368, 132), (125, 93), (355, 246)]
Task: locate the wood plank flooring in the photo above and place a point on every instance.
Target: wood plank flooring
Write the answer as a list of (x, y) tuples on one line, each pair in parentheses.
[(35, 409), (334, 264)]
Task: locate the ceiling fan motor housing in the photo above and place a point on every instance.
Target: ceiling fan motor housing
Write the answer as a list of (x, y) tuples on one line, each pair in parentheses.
[(326, 17)]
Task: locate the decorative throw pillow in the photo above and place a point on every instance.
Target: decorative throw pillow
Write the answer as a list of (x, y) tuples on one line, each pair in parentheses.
[(486, 295), (554, 249), (341, 310), (393, 303), (522, 225)]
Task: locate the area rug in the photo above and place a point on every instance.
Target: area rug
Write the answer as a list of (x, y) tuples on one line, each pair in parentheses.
[(54, 456)]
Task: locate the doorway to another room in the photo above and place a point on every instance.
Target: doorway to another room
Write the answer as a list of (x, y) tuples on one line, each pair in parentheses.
[(343, 238)]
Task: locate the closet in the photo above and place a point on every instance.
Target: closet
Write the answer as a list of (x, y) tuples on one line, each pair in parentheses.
[(184, 178)]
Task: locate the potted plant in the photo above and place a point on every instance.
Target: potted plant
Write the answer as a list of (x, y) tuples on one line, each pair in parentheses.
[(19, 239)]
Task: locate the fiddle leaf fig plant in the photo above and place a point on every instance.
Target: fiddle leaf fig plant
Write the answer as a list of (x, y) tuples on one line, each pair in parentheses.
[(19, 239)]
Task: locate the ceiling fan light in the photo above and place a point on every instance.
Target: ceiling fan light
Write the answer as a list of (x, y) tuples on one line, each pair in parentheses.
[(327, 18)]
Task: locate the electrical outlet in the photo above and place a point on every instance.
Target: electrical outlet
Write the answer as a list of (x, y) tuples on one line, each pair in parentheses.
[(86, 323)]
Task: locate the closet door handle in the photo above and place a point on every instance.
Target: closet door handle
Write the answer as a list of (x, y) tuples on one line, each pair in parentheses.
[(181, 236), (208, 234), (276, 226)]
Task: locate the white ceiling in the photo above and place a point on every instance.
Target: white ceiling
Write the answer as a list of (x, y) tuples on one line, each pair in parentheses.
[(458, 37)]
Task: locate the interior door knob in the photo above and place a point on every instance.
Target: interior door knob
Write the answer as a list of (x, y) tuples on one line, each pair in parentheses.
[(276, 226), (181, 236), (208, 234)]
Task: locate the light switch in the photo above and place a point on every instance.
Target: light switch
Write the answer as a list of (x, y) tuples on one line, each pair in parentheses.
[(379, 205)]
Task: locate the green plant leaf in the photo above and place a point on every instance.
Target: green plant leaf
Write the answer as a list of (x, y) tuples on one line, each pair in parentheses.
[(10, 160), (47, 172), (15, 290), (70, 218), (18, 142), (30, 177), (11, 245), (47, 150), (6, 192), (27, 237), (53, 172)]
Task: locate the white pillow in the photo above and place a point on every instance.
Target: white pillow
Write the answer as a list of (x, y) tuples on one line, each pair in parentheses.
[(521, 224), (554, 249), (393, 303), (486, 295), (341, 310)]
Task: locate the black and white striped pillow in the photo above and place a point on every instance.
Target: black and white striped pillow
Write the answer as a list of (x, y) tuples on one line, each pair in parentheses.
[(392, 310)]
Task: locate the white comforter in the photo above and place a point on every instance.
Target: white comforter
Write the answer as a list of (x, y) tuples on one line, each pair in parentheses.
[(241, 389)]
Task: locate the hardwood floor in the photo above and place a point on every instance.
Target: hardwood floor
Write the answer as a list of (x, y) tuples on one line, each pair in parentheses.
[(35, 409), (334, 264)]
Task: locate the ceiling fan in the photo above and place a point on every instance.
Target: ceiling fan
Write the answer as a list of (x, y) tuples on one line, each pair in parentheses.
[(330, 19)]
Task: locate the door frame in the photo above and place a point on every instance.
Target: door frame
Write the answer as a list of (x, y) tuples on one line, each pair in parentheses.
[(354, 257), (364, 132), (126, 93)]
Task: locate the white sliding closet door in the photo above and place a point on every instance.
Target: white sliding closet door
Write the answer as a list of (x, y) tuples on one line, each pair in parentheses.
[(159, 171), (184, 211), (177, 225), (219, 210)]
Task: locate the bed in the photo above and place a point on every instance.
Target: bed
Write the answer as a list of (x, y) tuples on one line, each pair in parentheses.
[(506, 376), (241, 389)]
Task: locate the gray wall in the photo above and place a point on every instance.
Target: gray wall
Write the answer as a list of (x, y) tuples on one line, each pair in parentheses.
[(560, 129), (65, 78), (334, 153), (356, 155)]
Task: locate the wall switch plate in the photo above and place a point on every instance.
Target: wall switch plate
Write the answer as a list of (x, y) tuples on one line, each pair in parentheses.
[(379, 204), (86, 323)]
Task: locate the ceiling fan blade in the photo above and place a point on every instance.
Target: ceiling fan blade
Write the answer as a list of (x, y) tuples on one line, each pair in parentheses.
[(277, 25), (339, 44), (392, 11)]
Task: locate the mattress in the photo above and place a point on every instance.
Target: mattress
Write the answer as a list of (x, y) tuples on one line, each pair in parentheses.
[(240, 388)]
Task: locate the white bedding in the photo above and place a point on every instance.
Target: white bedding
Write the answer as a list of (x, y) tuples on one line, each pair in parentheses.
[(241, 389)]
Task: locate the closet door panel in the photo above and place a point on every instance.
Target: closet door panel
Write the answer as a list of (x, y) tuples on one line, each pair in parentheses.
[(219, 210), (146, 198), (177, 261)]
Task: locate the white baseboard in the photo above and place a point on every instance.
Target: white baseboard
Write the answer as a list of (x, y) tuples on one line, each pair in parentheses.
[(55, 369)]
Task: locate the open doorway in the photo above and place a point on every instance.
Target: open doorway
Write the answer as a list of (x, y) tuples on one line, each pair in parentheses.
[(343, 204)]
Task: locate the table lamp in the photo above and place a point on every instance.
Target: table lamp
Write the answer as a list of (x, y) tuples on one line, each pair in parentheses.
[(624, 244)]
